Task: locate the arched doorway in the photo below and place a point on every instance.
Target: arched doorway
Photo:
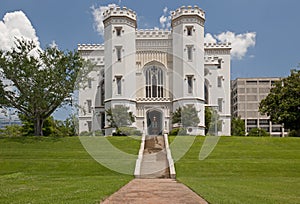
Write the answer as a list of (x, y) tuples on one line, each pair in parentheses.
[(154, 122)]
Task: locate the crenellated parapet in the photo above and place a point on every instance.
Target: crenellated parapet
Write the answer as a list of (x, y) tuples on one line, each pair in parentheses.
[(217, 48), (186, 14), (217, 45), (90, 47), (121, 16), (153, 33)]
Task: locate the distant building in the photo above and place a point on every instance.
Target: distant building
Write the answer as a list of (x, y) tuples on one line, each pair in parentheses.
[(6, 121), (246, 94), (153, 72)]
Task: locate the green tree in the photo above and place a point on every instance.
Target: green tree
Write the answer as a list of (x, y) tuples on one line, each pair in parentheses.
[(11, 131), (208, 116), (176, 116), (51, 126), (258, 132), (119, 116), (237, 126), (186, 115), (214, 123), (38, 85), (283, 102)]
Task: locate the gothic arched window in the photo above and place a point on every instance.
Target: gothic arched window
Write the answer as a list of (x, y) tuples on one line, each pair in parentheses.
[(154, 82)]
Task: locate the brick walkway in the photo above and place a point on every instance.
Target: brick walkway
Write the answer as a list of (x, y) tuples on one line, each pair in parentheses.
[(154, 191)]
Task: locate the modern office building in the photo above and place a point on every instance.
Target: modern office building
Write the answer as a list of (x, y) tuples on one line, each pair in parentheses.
[(246, 95), (154, 72), (9, 120)]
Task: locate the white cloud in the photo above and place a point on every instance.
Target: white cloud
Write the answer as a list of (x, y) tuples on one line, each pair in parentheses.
[(98, 17), (165, 19), (165, 10), (239, 42), (209, 38), (16, 25), (53, 44)]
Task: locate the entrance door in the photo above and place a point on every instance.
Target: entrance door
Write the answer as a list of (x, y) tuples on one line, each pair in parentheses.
[(154, 123)]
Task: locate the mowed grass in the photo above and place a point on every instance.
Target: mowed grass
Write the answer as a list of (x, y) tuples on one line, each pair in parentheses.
[(244, 170), (57, 170)]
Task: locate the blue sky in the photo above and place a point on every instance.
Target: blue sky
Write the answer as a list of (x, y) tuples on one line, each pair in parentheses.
[(276, 24)]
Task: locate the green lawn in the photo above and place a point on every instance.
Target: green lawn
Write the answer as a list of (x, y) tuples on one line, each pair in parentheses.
[(244, 170), (239, 170), (56, 170)]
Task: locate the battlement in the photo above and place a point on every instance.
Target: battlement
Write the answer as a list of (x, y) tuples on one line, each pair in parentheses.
[(91, 47), (152, 33), (119, 12), (187, 11), (217, 45)]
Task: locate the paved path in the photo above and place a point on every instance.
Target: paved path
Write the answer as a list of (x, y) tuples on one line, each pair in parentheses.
[(155, 187), (154, 191)]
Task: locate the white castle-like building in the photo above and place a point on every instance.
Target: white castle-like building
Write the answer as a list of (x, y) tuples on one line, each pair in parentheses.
[(154, 72)]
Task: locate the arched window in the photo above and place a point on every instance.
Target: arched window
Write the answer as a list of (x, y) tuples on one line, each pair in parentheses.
[(154, 82)]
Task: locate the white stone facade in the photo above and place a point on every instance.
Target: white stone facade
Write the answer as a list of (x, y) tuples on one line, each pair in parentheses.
[(153, 72)]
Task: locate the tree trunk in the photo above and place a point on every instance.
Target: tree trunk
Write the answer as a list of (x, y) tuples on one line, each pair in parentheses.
[(38, 126)]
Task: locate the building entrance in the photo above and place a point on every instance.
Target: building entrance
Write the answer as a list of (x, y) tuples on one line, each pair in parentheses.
[(154, 123)]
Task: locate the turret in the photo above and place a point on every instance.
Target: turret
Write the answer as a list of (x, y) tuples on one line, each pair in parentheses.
[(119, 48), (188, 57)]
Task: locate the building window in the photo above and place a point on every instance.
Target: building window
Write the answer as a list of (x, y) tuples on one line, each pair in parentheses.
[(118, 31), (252, 122), (220, 78), (219, 63), (102, 120), (190, 83), (189, 30), (263, 122), (251, 82), (190, 52), (102, 92), (119, 53), (154, 82), (220, 104), (89, 105), (276, 129), (119, 84), (90, 83), (89, 124)]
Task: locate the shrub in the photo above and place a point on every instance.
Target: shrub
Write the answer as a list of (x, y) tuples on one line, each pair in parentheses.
[(12, 131), (85, 133), (126, 131), (178, 131), (294, 133), (96, 133), (257, 132)]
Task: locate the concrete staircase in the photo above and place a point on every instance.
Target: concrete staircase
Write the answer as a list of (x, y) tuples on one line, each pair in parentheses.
[(155, 162)]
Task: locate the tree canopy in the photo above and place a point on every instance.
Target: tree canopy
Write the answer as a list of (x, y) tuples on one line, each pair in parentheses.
[(237, 127), (283, 102), (213, 124), (186, 115), (37, 84), (120, 116)]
